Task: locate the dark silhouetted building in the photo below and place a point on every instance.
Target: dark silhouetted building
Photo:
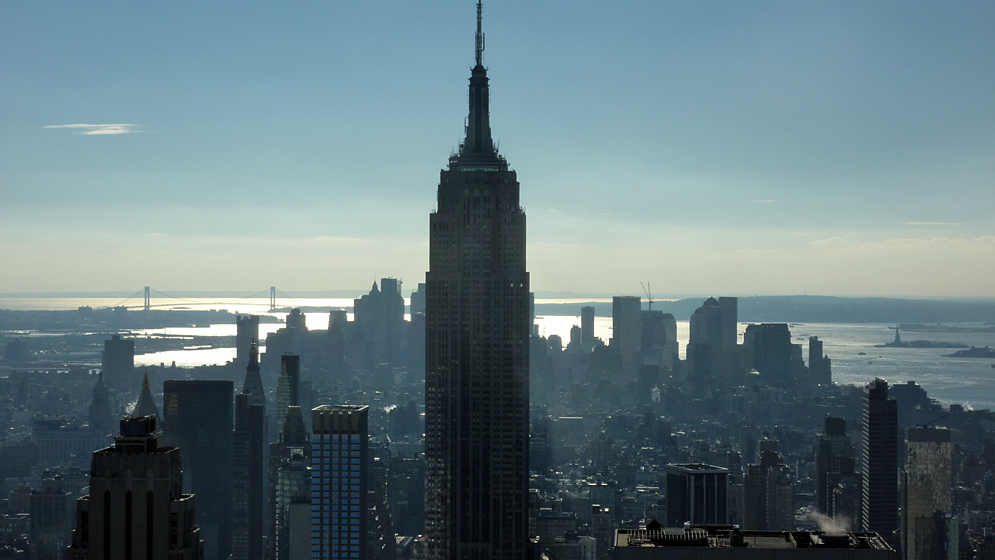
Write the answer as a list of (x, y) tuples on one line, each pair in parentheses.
[(820, 367), (253, 383), (627, 329), (770, 346), (136, 509), (339, 482), (246, 335), (198, 420), (380, 314), (288, 387), (477, 351), (880, 459), (118, 363), (834, 462), (146, 403), (587, 328), (248, 448), (768, 492), (697, 493), (713, 358), (290, 459), (101, 418), (728, 322)]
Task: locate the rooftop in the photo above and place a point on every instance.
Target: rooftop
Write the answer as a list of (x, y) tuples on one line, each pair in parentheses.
[(727, 536)]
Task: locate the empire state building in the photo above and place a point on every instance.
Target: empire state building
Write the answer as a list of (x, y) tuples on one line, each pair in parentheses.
[(477, 348)]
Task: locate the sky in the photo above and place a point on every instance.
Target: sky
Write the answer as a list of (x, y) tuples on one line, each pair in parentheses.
[(734, 148)]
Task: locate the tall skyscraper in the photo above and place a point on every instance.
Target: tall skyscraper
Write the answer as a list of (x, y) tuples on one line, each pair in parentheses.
[(380, 314), (729, 317), (627, 329), (880, 451), (253, 384), (339, 481), (477, 350), (768, 492), (770, 345), (136, 509), (927, 488), (289, 460), (820, 370), (198, 419), (287, 387), (246, 335), (118, 363), (834, 461), (587, 328), (248, 445)]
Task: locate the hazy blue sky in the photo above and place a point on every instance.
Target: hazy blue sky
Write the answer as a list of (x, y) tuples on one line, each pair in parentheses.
[(838, 148)]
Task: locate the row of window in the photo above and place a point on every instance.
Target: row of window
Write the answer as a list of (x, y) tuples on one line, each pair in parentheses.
[(326, 438), (316, 489)]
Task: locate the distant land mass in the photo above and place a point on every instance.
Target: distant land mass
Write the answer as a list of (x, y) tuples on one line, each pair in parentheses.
[(921, 344), (816, 309)]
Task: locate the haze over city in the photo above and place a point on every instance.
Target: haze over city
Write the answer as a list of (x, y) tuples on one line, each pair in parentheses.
[(722, 147)]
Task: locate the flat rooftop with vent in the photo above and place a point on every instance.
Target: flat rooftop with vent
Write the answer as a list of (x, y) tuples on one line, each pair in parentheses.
[(725, 542)]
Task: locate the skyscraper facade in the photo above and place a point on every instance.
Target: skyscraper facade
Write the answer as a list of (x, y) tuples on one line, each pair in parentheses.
[(627, 329), (118, 363), (248, 445), (697, 493), (820, 369), (198, 418), (587, 328), (880, 451), (289, 459), (770, 346), (246, 335), (339, 480), (287, 387), (477, 350), (927, 495), (136, 509), (834, 461), (729, 317)]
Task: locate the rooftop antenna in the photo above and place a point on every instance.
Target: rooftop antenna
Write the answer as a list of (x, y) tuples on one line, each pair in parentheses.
[(480, 35)]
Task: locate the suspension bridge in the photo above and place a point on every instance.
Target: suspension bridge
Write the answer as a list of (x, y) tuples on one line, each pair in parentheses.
[(173, 301)]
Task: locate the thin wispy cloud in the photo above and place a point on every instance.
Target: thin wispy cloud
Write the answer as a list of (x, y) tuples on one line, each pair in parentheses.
[(98, 129), (932, 224)]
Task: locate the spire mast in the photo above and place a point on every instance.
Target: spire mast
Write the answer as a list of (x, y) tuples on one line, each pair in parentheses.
[(480, 35)]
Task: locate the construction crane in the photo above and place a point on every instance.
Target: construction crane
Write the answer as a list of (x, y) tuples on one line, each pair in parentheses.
[(649, 296), (926, 425)]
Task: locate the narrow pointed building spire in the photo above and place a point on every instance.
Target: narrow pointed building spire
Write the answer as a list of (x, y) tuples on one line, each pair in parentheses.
[(101, 417), (146, 404), (253, 384), (477, 152)]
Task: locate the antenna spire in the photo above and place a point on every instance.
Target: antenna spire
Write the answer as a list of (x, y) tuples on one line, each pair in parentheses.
[(480, 35)]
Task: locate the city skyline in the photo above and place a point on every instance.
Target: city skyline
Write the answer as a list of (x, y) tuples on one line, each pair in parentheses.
[(764, 149)]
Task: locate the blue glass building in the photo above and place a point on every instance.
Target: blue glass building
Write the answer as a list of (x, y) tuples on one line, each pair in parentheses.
[(339, 482)]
